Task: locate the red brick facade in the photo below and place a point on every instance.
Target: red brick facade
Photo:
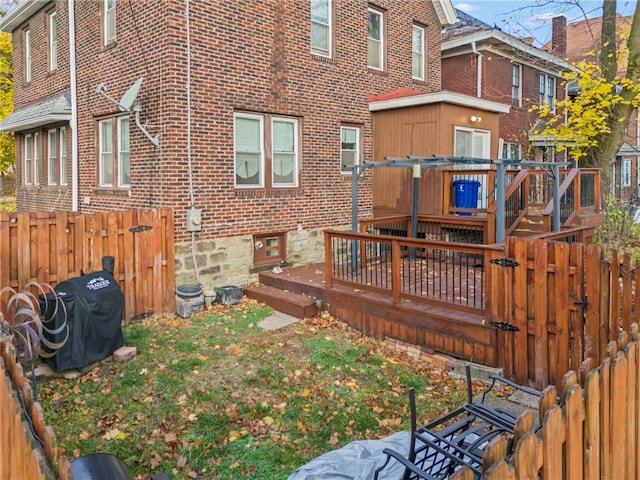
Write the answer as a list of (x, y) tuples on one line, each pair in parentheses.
[(246, 56)]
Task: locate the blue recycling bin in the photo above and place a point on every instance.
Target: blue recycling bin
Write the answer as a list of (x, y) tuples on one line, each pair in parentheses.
[(466, 194)]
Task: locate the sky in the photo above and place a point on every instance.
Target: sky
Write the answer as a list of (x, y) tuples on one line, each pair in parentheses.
[(532, 18)]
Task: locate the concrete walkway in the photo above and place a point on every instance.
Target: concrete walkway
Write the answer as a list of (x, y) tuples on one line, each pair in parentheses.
[(277, 320)]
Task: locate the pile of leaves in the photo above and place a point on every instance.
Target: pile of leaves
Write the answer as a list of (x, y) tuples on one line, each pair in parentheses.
[(217, 397)]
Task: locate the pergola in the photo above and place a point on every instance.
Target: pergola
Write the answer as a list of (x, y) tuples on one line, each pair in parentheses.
[(419, 164)]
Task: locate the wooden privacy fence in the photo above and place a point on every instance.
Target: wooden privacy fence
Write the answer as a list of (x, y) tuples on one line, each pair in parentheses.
[(557, 304), (590, 428), (49, 247), (20, 456)]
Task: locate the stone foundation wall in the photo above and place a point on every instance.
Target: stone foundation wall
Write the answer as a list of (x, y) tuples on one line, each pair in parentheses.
[(229, 261)]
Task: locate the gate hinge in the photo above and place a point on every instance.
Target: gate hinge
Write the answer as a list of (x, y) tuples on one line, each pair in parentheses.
[(505, 326), (505, 262), (583, 303), (140, 228)]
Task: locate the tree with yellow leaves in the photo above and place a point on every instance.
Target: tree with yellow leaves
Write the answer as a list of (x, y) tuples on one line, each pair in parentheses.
[(591, 125), (7, 147)]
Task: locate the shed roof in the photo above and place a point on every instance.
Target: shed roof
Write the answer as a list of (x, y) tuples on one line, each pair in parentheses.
[(52, 110)]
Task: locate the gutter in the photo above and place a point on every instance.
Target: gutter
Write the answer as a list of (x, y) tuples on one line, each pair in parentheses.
[(478, 69), (73, 123)]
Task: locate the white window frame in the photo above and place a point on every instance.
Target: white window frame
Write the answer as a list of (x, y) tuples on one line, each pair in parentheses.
[(28, 159), (343, 170), (63, 156), (36, 158), (124, 151), (516, 85), (322, 24), (109, 21), (260, 153), (53, 41), (116, 152), (418, 52), (294, 153), (105, 151), (52, 157), (485, 135), (27, 55), (508, 149), (625, 172), (547, 88), (378, 41)]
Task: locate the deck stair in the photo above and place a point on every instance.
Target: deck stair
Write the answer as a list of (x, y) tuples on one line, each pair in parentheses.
[(295, 304), (530, 224)]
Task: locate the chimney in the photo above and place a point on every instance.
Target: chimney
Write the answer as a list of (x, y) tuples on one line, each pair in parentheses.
[(559, 36)]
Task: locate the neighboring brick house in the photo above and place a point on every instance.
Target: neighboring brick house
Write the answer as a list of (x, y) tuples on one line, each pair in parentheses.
[(583, 42), (245, 117), (483, 61)]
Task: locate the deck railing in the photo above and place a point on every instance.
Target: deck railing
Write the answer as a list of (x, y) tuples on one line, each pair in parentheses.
[(451, 228), (429, 271)]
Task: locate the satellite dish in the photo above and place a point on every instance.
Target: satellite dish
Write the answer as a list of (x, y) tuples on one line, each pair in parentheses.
[(126, 102)]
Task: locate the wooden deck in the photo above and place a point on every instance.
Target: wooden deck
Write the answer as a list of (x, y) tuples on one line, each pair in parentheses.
[(461, 334)]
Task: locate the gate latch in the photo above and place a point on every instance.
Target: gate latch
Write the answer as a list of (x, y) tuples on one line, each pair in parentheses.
[(140, 228), (582, 303), (505, 262), (507, 327)]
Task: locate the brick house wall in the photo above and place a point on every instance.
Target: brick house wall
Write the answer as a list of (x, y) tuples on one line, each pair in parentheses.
[(496, 86), (247, 56)]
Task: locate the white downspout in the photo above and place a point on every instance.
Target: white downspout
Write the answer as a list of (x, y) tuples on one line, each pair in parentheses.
[(74, 105), (478, 70)]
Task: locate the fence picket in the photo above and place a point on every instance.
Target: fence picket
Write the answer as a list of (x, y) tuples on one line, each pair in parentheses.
[(52, 247), (520, 308), (592, 426), (541, 295)]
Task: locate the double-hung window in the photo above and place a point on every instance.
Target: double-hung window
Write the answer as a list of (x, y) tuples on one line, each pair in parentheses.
[(349, 148), (53, 41), (109, 21), (28, 159), (516, 90), (266, 151), (417, 53), (63, 156), (375, 34), (321, 27), (626, 172), (36, 158), (512, 151), (27, 55), (113, 142), (52, 157), (547, 90)]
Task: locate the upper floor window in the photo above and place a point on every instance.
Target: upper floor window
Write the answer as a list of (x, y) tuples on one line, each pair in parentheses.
[(349, 148), (27, 55), (52, 157), (53, 41), (417, 53), (109, 19), (547, 90), (516, 91), (114, 166), (321, 31), (375, 33), (28, 159), (257, 166)]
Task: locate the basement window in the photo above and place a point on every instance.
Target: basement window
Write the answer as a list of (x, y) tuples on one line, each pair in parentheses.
[(269, 249)]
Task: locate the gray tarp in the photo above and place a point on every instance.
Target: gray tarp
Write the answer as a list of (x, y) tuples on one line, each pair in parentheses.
[(357, 461)]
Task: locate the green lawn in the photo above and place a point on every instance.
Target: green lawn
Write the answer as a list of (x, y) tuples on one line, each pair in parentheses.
[(217, 397)]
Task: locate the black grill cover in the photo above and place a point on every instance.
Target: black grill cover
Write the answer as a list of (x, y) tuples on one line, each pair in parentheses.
[(94, 306)]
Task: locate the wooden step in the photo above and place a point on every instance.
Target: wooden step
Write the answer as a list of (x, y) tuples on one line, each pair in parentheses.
[(295, 304)]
